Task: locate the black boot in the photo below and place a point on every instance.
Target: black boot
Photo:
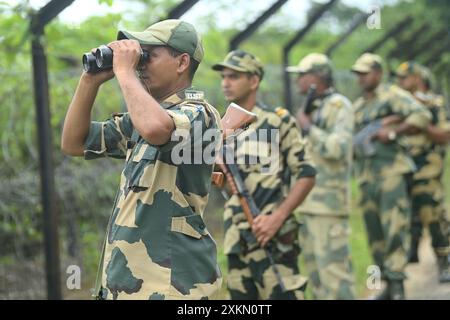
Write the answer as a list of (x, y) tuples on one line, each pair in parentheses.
[(444, 269), (397, 290), (384, 295), (413, 256)]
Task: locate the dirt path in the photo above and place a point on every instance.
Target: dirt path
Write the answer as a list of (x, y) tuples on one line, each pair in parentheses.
[(422, 283)]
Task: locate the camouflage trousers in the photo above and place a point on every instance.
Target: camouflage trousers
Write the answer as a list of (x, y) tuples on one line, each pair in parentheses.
[(324, 242), (428, 211), (251, 277), (387, 213)]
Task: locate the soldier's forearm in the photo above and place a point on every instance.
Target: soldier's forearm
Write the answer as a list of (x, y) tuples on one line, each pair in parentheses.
[(406, 129), (438, 135), (78, 118), (151, 121), (295, 197)]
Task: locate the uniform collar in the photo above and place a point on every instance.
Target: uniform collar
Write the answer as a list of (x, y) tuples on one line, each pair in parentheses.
[(328, 92), (318, 99), (182, 95), (423, 96), (378, 90)]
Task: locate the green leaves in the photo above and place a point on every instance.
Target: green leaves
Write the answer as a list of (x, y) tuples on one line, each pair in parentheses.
[(108, 2)]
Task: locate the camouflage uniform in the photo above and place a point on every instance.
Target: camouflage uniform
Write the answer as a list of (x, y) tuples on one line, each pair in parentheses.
[(263, 171), (157, 245), (324, 233), (381, 177), (427, 189)]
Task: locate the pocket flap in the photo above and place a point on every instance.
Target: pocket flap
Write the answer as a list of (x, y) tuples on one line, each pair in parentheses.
[(192, 225)]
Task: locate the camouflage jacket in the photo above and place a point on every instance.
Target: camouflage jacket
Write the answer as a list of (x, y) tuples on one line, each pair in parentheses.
[(268, 150), (428, 156), (157, 245), (330, 148), (391, 158)]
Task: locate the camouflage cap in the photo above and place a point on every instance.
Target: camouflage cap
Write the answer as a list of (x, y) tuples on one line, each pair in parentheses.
[(366, 62), (173, 33), (241, 61), (409, 68), (313, 62), (427, 76)]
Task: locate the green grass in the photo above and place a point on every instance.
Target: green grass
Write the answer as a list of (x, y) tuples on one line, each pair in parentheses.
[(360, 253)]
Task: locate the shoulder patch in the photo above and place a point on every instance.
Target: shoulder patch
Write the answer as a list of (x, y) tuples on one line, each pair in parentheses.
[(337, 103), (194, 95), (189, 105), (281, 112)]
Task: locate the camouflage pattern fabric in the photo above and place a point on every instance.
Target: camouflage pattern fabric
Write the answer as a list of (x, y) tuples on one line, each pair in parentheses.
[(174, 33), (157, 245), (427, 189), (391, 158), (263, 170), (312, 63), (384, 191), (325, 249), (366, 62), (241, 61), (330, 148), (251, 277), (324, 235), (386, 209), (429, 211)]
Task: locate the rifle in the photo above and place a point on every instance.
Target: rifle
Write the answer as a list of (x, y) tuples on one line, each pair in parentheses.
[(362, 141), (234, 119), (307, 106)]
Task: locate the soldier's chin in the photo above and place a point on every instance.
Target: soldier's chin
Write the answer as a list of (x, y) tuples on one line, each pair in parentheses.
[(146, 83), (229, 97)]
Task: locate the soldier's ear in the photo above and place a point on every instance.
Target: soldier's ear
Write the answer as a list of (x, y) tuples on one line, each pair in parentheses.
[(183, 62), (254, 81)]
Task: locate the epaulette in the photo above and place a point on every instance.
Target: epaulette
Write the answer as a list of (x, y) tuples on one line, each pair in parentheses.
[(194, 95), (281, 112), (439, 101), (337, 103)]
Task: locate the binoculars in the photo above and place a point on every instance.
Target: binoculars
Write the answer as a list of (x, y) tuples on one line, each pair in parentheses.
[(102, 59)]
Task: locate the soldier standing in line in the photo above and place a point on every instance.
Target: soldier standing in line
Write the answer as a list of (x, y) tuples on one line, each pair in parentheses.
[(382, 172), (428, 152), (263, 153), (327, 121)]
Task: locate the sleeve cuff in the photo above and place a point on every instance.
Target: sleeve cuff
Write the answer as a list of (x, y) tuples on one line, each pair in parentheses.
[(94, 146), (307, 171)]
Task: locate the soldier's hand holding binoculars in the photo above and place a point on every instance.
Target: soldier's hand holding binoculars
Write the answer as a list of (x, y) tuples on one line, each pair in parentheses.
[(127, 54), (100, 76)]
